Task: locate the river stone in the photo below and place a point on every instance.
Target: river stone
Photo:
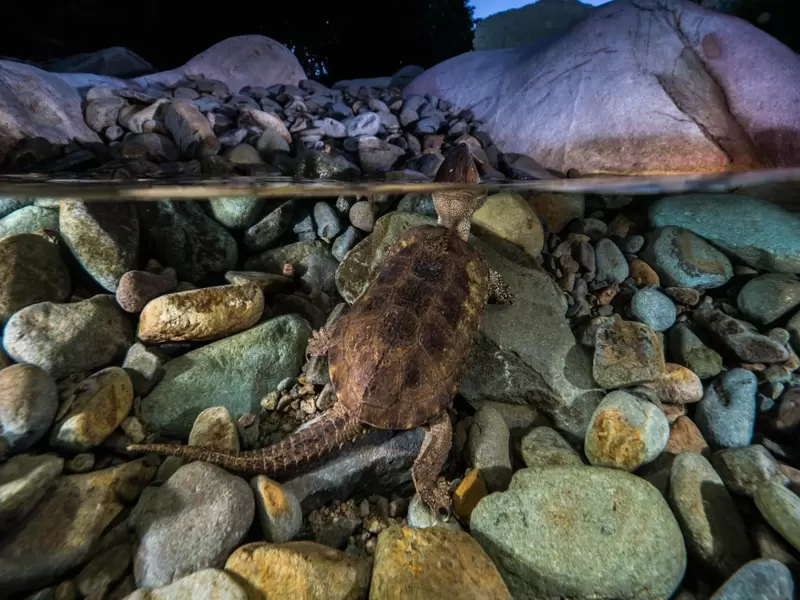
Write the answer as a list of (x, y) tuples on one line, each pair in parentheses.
[(740, 337), (488, 448), (9, 204), (299, 570), (743, 470), (137, 288), (714, 530), (24, 481), (727, 412), (238, 212), (68, 338), (181, 235), (625, 432), (236, 372), (433, 563), (105, 569), (65, 527), (103, 237), (101, 403), (31, 271), (781, 509), (556, 209), (279, 511), (688, 350), (626, 353), (215, 428), (509, 218), (763, 579), (214, 584), (678, 385), (544, 447), (757, 232), (611, 264), (653, 308), (768, 297), (379, 464), (29, 220), (28, 405), (201, 315), (682, 259), (544, 534), (268, 230), (192, 522), (540, 365), (313, 263)]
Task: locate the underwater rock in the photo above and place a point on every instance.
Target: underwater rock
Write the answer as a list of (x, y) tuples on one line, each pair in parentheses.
[(103, 237), (68, 338), (235, 372), (755, 231), (31, 271), (768, 297), (295, 569), (182, 236), (534, 531), (727, 413), (192, 522), (683, 259), (714, 530), (408, 564)]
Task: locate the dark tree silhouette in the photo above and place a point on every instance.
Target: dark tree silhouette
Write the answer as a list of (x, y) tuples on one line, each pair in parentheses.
[(332, 40)]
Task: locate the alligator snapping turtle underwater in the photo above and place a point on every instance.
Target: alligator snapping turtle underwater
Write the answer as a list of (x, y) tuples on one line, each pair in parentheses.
[(396, 356)]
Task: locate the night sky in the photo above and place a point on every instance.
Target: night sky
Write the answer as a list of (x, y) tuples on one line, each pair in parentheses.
[(484, 8)]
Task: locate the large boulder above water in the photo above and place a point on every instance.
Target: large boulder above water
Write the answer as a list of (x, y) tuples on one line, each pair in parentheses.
[(666, 78), (35, 103)]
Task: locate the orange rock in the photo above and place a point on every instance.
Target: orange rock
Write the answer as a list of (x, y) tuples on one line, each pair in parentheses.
[(678, 385), (298, 570), (606, 295), (469, 492), (684, 436), (642, 273), (556, 210), (433, 563), (673, 411), (201, 315)]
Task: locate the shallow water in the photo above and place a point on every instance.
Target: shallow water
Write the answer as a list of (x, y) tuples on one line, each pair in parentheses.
[(667, 432)]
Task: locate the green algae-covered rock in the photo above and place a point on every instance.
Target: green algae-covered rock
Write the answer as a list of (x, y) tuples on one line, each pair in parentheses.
[(235, 372), (581, 532)]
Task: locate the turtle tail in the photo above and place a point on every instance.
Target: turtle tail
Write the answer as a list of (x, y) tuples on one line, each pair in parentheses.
[(329, 433)]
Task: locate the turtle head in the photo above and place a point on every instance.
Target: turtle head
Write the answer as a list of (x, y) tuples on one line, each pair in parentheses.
[(456, 207)]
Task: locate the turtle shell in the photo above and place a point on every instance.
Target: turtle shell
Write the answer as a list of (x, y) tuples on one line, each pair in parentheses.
[(397, 355)]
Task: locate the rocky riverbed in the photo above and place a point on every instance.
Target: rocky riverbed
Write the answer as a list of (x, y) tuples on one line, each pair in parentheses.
[(628, 428)]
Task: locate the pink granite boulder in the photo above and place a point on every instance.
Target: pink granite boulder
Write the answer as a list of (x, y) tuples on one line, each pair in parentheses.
[(35, 103), (238, 61), (640, 87)]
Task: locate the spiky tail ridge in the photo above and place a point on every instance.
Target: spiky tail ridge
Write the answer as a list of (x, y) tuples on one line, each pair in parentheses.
[(295, 451)]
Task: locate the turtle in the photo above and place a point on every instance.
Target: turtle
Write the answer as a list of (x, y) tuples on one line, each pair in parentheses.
[(396, 356)]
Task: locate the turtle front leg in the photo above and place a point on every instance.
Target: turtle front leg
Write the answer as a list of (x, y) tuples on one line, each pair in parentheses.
[(499, 291), (433, 490)]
